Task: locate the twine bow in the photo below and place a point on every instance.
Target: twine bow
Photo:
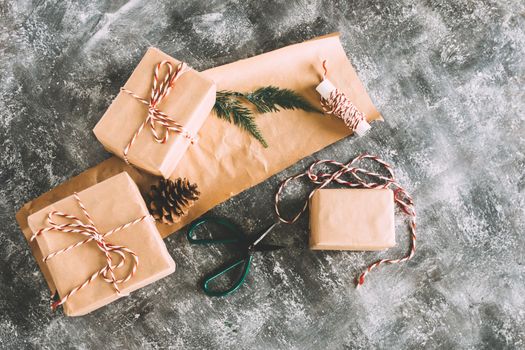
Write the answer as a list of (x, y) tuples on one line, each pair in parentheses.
[(340, 106), (357, 180), (75, 225), (156, 118)]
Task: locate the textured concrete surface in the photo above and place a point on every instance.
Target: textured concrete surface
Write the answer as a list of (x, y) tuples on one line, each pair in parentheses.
[(447, 75)]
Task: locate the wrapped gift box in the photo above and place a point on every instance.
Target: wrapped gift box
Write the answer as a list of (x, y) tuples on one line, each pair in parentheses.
[(188, 103), (352, 219), (110, 204)]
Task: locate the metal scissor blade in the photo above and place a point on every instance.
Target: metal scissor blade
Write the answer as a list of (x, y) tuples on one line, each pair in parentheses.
[(267, 247), (261, 236)]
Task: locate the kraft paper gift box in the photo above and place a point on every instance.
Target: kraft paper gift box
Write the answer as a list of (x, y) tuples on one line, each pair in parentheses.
[(188, 103), (352, 219), (110, 204)]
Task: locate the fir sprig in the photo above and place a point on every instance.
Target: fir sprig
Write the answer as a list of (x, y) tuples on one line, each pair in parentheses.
[(270, 98), (230, 106)]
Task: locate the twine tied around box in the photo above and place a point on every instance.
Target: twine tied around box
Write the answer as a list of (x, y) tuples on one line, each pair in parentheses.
[(75, 225), (357, 180), (159, 90)]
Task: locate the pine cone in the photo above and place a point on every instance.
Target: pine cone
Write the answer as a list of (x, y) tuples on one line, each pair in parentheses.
[(170, 200)]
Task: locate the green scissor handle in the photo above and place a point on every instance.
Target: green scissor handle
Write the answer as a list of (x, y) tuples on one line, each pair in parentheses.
[(236, 237), (239, 236), (222, 293)]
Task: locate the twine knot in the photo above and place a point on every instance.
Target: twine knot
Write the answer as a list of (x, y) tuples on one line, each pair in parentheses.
[(97, 237), (160, 123)]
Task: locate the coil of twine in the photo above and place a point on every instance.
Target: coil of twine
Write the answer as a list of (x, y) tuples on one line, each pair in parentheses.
[(340, 106)]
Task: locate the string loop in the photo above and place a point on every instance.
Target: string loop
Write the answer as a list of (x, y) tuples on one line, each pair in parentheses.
[(355, 179)]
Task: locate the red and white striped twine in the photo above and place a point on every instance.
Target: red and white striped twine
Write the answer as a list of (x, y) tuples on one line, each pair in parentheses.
[(159, 90), (340, 106), (321, 179), (75, 225)]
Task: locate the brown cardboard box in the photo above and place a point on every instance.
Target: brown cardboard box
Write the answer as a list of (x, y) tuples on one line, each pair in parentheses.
[(352, 219), (110, 203), (188, 103)]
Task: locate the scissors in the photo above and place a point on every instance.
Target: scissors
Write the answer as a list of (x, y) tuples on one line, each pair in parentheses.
[(246, 244)]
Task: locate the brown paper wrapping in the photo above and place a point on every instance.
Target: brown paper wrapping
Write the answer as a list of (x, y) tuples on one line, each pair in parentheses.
[(352, 219), (227, 160), (111, 203), (189, 103)]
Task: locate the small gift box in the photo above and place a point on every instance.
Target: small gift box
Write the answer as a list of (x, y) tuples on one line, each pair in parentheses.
[(352, 219), (157, 114), (99, 244)]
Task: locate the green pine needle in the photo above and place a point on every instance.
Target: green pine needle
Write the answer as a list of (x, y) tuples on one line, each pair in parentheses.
[(270, 98), (229, 106)]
